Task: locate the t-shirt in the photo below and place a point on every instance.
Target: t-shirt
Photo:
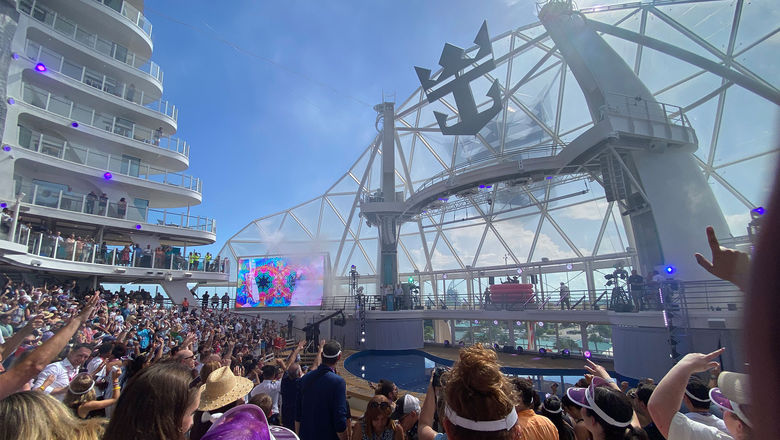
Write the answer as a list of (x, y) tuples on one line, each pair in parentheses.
[(143, 338), (708, 419), (683, 428), (272, 388), (288, 392)]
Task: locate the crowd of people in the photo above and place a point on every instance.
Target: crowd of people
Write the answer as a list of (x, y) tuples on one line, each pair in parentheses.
[(86, 364)]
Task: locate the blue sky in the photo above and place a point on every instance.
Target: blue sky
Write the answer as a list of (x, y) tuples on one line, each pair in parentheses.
[(276, 97)]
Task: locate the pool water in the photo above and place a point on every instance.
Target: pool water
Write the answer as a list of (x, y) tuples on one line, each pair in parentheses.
[(411, 369)]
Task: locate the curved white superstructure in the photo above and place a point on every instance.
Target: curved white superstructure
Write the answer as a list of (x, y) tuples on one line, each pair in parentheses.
[(90, 155)]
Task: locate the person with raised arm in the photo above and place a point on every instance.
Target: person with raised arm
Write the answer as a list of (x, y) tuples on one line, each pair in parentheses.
[(732, 397), (39, 358)]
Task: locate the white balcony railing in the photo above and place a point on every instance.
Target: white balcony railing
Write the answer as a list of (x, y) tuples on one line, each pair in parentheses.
[(85, 38), (83, 114), (117, 164), (130, 13), (86, 250), (52, 196), (58, 63)]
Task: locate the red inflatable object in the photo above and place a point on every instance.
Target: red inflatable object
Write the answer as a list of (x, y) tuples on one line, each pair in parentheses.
[(511, 293)]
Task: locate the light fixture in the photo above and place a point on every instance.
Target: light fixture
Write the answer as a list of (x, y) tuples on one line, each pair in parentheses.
[(519, 270), (6, 148), (495, 322), (566, 352), (40, 67), (120, 270), (542, 351), (11, 101), (74, 124), (107, 175), (138, 226), (569, 266), (760, 210), (362, 340), (3, 205), (15, 55), (519, 323), (670, 269), (587, 354)]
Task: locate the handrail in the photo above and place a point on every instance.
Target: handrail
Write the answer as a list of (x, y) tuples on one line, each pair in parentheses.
[(697, 295), (128, 11), (624, 105), (78, 154), (71, 30), (51, 197), (37, 52), (88, 251), (62, 106)]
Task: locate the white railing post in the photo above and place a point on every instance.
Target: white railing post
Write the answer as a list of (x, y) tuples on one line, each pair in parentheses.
[(83, 203), (56, 246), (40, 243), (154, 254), (59, 200), (73, 253), (113, 257), (94, 252), (34, 194)]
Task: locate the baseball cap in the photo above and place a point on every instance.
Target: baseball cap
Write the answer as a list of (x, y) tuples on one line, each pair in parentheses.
[(404, 405), (732, 394)]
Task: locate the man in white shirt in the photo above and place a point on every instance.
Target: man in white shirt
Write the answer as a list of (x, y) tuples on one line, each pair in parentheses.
[(63, 371), (697, 400), (270, 385)]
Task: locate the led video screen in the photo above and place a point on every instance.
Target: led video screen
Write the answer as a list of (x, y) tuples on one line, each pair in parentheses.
[(280, 281)]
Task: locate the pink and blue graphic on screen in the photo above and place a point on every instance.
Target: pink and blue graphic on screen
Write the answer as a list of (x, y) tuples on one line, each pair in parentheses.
[(280, 281)]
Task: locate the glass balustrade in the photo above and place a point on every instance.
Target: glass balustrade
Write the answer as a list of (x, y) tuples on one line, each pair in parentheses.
[(131, 13), (121, 165), (86, 250), (58, 63), (94, 204), (92, 41), (83, 114)]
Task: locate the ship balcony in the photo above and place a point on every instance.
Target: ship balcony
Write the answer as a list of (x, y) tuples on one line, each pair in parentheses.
[(48, 67), (44, 251), (49, 23), (43, 201), (127, 174), (84, 122)]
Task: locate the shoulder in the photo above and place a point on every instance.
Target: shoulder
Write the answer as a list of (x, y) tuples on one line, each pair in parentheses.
[(684, 428)]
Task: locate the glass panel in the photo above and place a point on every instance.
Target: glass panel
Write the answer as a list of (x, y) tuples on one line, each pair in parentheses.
[(60, 106), (71, 202), (75, 154), (120, 53), (26, 139), (103, 122), (43, 15), (50, 58), (111, 86), (123, 127), (85, 38), (82, 114), (48, 193), (97, 160), (114, 4), (130, 165), (34, 96), (32, 49), (51, 146), (64, 26), (103, 46), (25, 6), (143, 134), (92, 78), (72, 70)]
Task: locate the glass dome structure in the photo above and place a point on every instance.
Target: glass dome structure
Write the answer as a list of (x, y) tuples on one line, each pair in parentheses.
[(566, 220)]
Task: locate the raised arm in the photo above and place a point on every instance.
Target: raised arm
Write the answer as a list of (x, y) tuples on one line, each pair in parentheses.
[(668, 394), (12, 343), (425, 429), (318, 358), (285, 364), (41, 356)]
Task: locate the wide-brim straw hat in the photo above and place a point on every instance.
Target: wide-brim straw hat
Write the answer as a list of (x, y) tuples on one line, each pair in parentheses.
[(223, 387)]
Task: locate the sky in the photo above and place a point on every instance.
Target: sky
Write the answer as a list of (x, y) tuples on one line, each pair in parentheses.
[(276, 98)]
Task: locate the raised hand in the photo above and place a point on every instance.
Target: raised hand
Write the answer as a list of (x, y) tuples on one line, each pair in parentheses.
[(727, 264), (89, 307), (698, 362)]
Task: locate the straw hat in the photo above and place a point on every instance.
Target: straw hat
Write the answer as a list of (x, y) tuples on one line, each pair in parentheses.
[(221, 388)]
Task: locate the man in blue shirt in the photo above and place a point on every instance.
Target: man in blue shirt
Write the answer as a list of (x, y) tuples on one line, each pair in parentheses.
[(321, 404)]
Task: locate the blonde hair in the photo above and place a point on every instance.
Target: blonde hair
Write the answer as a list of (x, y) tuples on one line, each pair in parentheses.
[(80, 390), (36, 415)]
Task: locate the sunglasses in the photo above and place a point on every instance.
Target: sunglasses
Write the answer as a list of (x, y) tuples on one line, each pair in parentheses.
[(383, 405)]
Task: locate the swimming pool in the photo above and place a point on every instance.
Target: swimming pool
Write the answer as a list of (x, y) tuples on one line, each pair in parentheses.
[(411, 369)]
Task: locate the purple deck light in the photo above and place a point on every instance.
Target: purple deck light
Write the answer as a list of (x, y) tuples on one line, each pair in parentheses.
[(107, 175), (3, 205), (587, 354), (15, 56), (566, 352), (670, 269), (569, 266), (11, 101), (542, 351), (74, 124), (481, 186), (760, 210), (548, 177), (138, 226), (6, 148), (519, 323), (495, 322), (40, 67)]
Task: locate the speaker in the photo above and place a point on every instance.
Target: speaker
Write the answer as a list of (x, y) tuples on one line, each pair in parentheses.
[(491, 280)]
